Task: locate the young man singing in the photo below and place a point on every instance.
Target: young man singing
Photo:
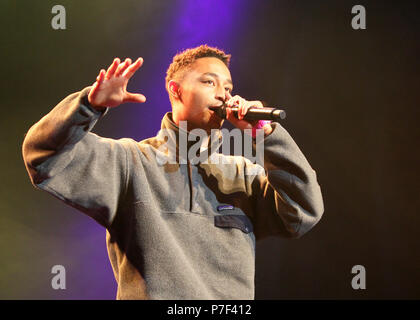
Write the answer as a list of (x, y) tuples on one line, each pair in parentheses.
[(175, 231)]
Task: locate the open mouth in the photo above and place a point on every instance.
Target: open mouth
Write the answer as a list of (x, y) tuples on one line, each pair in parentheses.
[(216, 111), (219, 106)]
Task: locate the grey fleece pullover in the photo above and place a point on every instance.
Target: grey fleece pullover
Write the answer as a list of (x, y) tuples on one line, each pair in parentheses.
[(173, 231)]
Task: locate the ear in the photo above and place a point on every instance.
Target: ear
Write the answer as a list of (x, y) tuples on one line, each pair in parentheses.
[(173, 88)]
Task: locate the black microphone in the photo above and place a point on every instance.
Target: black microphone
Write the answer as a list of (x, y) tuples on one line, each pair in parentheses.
[(253, 113)]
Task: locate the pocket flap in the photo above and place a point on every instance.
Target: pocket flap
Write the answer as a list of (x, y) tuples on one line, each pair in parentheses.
[(240, 222)]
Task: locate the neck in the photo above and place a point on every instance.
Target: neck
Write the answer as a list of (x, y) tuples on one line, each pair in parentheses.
[(190, 126)]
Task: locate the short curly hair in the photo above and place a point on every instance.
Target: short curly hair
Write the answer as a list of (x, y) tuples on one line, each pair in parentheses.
[(186, 58)]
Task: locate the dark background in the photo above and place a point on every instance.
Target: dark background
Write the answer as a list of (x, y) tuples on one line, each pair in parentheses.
[(351, 98)]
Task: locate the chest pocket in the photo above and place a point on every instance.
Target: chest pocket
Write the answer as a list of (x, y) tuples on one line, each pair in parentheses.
[(240, 222)]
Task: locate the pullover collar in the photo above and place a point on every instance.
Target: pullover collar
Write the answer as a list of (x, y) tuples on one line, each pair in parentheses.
[(189, 144)]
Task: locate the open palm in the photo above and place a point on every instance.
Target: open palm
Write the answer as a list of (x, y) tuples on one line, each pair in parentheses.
[(110, 88)]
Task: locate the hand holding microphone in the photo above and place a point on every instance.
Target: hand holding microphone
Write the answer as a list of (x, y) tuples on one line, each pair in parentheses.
[(248, 114), (253, 113), (248, 110)]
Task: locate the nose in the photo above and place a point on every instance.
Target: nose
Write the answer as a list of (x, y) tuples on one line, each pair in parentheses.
[(221, 94)]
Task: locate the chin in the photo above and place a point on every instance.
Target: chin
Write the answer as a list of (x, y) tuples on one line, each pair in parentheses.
[(215, 122)]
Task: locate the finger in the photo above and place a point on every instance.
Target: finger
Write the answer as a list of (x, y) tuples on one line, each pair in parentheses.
[(122, 67), (229, 114), (237, 102), (128, 73), (97, 84), (228, 96), (241, 124), (256, 104), (245, 109), (101, 75), (112, 68), (231, 101), (241, 109), (134, 97)]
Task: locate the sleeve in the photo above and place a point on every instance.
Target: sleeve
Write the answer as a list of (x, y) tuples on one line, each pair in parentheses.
[(64, 158), (287, 199)]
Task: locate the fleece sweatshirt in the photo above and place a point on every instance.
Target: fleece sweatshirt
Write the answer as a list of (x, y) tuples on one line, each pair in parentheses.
[(173, 230)]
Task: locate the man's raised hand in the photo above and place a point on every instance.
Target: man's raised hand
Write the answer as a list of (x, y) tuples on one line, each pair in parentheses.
[(110, 88)]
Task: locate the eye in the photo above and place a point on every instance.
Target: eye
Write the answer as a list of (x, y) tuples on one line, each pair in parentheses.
[(228, 90), (209, 82)]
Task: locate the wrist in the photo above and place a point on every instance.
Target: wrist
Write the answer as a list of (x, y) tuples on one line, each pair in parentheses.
[(98, 108), (264, 125), (267, 129), (88, 103)]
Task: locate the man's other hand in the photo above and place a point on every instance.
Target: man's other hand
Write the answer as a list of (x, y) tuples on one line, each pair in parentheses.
[(110, 88), (244, 105)]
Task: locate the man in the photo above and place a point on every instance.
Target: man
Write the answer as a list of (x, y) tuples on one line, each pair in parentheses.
[(183, 230)]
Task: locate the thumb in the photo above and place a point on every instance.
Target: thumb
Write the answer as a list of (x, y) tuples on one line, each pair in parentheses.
[(134, 97), (228, 97)]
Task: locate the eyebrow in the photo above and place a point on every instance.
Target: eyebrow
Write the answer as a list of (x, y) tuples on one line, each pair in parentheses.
[(217, 76)]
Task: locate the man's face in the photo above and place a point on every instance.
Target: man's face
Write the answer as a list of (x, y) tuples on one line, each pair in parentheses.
[(206, 83)]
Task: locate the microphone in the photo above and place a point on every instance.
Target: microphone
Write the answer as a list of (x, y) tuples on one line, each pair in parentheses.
[(253, 113)]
